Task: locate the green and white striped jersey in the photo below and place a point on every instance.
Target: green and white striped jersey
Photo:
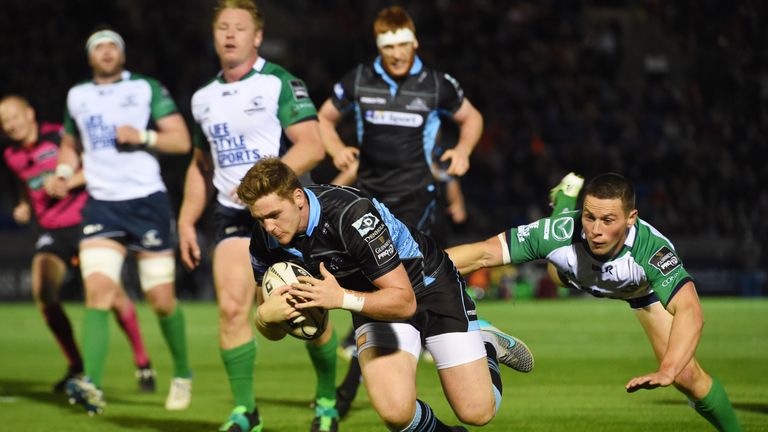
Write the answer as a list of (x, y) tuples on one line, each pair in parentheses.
[(243, 121), (646, 264), (93, 113)]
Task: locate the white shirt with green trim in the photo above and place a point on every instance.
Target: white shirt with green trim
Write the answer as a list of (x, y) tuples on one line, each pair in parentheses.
[(94, 112), (242, 122)]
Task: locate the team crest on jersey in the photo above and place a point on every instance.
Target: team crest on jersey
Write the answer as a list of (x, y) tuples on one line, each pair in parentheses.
[(417, 104), (255, 105), (562, 228), (299, 90), (664, 260), (365, 224)]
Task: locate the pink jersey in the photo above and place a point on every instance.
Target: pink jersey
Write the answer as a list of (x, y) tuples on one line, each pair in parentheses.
[(32, 165)]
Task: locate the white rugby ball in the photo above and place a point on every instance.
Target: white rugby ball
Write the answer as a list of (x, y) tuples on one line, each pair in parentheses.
[(312, 322)]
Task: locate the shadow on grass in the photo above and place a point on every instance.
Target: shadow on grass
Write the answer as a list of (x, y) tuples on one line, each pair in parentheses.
[(755, 407), (159, 424), (39, 391), (303, 403)]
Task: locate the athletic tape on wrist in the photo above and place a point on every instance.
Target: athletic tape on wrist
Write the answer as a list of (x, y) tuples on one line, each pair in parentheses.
[(64, 171), (148, 137), (352, 302)]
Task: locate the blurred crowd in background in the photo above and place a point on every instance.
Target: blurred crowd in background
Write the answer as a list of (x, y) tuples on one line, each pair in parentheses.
[(673, 95)]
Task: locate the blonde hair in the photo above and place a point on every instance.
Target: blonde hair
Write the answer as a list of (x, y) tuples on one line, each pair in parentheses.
[(246, 5), (392, 19), (269, 175)]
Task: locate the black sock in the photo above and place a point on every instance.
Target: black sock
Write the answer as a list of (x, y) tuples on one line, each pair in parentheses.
[(352, 379)]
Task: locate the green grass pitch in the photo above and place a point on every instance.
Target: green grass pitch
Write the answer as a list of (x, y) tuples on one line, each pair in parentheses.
[(586, 350)]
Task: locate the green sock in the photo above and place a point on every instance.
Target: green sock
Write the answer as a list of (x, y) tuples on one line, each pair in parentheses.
[(175, 336), (717, 408), (324, 360), (563, 203), (239, 362), (95, 343)]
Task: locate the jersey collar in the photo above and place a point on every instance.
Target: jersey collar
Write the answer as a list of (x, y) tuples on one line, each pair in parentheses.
[(124, 76), (257, 68), (415, 69), (314, 211)]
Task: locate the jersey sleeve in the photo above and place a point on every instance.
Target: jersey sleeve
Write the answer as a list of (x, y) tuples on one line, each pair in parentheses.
[(450, 95), (259, 253), (368, 240), (199, 139), (69, 124), (537, 239), (664, 269), (295, 104), (161, 103), (344, 97)]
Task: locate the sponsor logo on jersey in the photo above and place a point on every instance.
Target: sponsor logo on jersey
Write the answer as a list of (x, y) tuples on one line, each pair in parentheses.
[(299, 90), (455, 84), (562, 228), (150, 239), (255, 105), (524, 231), (47, 154), (373, 100), (129, 101), (664, 260), (394, 118), (383, 249), (101, 135), (417, 104), (230, 149), (365, 224), (92, 229), (229, 93)]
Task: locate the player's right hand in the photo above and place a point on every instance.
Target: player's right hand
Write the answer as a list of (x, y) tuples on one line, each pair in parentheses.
[(190, 250), (56, 187), (278, 307), (346, 157)]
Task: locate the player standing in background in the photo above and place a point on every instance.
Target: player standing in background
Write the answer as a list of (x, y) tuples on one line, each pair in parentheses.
[(607, 251), (397, 102), (241, 116), (400, 287), (32, 158), (117, 121)]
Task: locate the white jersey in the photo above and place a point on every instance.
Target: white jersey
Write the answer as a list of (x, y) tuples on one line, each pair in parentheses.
[(93, 113), (243, 121)]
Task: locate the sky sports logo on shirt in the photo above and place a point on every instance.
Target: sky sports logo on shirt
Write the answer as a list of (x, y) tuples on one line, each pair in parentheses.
[(394, 118)]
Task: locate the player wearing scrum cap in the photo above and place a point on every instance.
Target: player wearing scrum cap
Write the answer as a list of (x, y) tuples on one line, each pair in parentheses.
[(117, 121), (398, 102)]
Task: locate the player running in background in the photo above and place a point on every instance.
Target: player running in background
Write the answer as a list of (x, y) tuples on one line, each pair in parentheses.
[(241, 116), (117, 121), (401, 289), (397, 100), (607, 251), (32, 158)]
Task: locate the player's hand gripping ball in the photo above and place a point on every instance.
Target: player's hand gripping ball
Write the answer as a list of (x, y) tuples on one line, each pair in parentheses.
[(312, 321)]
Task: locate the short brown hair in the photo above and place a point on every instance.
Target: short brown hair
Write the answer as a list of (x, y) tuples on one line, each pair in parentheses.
[(392, 19), (246, 5), (612, 186), (269, 175)]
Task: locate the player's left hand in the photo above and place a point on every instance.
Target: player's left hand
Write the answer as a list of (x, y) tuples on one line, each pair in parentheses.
[(325, 293), (128, 135), (649, 382), (459, 161)]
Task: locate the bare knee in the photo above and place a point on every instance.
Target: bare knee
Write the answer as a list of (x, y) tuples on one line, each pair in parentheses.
[(396, 415), (476, 414), (232, 312)]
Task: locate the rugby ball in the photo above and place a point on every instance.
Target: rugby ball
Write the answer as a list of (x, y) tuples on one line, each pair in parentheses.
[(312, 322)]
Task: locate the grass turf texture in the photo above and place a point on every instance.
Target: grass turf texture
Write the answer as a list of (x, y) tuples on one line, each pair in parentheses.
[(586, 350)]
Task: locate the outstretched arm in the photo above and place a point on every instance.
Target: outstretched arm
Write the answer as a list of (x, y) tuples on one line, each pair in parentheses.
[(473, 256), (687, 323)]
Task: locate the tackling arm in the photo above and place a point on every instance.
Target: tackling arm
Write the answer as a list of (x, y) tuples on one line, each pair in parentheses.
[(473, 256)]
